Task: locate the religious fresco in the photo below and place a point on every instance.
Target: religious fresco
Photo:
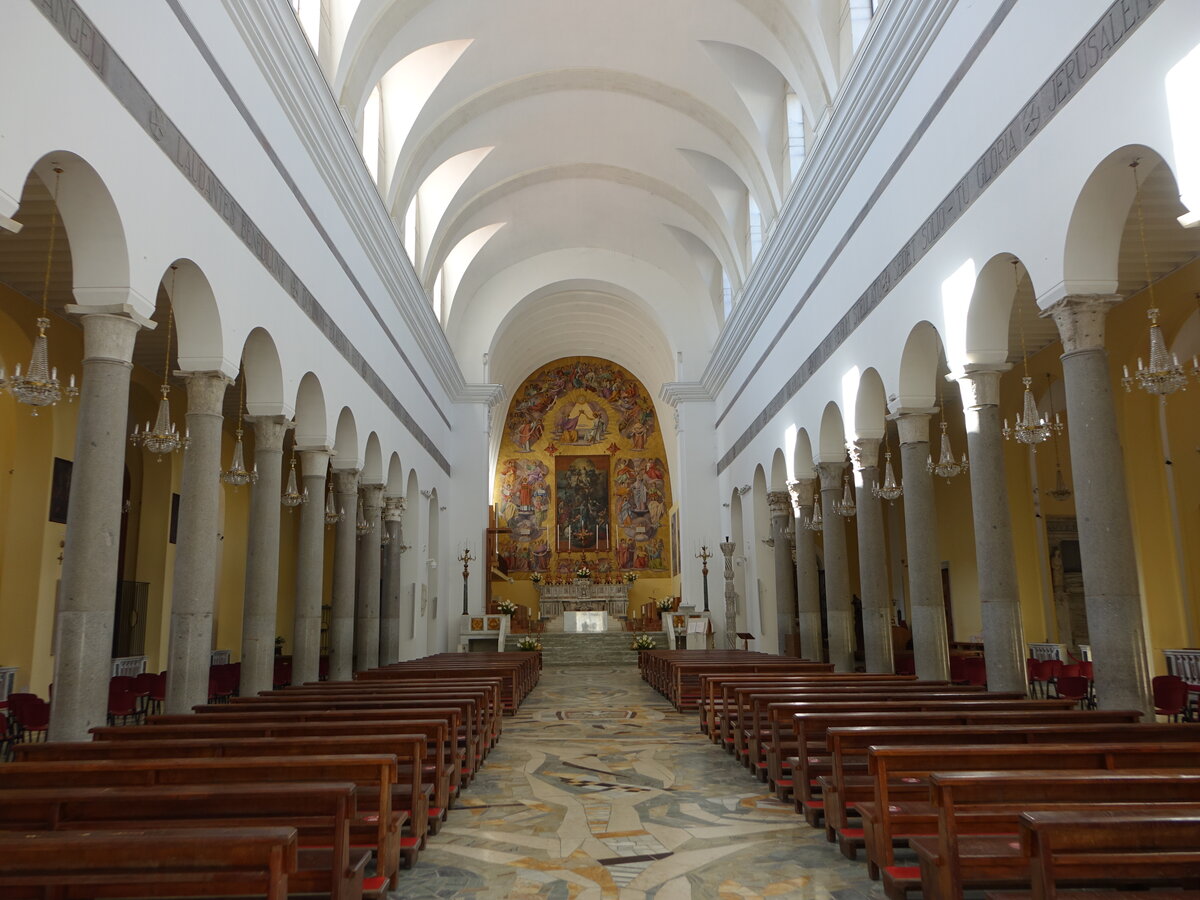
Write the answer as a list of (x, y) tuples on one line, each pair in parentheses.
[(581, 477)]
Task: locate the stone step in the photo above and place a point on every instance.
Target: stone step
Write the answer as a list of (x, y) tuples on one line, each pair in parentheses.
[(605, 648)]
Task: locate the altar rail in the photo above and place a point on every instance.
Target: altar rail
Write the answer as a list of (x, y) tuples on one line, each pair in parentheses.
[(1185, 663)]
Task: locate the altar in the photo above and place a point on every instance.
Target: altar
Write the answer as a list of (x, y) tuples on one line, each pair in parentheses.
[(585, 621), (582, 595)]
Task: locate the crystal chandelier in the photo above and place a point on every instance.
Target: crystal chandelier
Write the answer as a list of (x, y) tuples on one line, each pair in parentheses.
[(39, 385), (164, 437), (361, 525), (292, 497), (1061, 492), (333, 515), (1031, 427), (1164, 375), (237, 474), (891, 490), (946, 467), (845, 506), (815, 522)]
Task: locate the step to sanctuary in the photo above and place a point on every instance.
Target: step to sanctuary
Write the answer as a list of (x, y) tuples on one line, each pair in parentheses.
[(597, 648)]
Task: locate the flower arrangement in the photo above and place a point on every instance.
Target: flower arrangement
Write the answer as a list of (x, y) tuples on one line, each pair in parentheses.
[(529, 642), (536, 578), (506, 606), (583, 572), (642, 642), (666, 604), (630, 577)]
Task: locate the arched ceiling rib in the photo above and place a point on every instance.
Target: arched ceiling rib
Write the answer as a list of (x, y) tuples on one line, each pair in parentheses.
[(621, 146)]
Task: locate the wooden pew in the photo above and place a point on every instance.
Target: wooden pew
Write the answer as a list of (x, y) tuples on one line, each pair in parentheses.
[(1106, 849), (900, 767), (516, 676), (201, 728), (321, 813), (454, 755), (978, 818), (71, 865), (376, 774)]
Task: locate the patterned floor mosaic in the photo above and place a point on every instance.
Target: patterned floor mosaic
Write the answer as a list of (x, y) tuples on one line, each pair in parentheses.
[(598, 789)]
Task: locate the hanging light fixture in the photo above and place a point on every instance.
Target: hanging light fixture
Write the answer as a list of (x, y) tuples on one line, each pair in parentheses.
[(237, 474), (845, 506), (1031, 427), (815, 522), (945, 467), (333, 515), (292, 497), (361, 525), (164, 437), (39, 385), (1164, 375), (891, 490), (1061, 491)]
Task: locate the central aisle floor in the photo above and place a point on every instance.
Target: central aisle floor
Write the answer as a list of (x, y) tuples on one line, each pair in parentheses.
[(599, 789)]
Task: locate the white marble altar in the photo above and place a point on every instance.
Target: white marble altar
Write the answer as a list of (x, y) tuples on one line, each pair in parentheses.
[(594, 620)]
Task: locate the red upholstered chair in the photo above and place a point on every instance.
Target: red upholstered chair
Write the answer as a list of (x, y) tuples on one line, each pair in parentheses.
[(1045, 673), (282, 675), (122, 702), (6, 740), (16, 707), (976, 670), (906, 665), (1073, 687), (958, 670), (32, 715), (1170, 696), (323, 668)]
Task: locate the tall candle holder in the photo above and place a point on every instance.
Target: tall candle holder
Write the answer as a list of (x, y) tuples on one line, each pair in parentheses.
[(465, 559), (704, 556)]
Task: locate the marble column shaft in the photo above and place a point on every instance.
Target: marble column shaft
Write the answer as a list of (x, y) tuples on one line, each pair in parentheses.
[(780, 505), (194, 583), (808, 575), (1110, 580), (931, 644), (341, 624), (310, 568), (370, 549), (389, 612), (727, 547), (88, 589), (262, 557), (996, 561), (839, 614), (872, 563)]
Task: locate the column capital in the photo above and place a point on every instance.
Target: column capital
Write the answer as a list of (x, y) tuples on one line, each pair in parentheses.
[(801, 491), (372, 495), (831, 474), (1080, 319), (205, 392), (980, 384), (109, 332), (865, 452), (913, 423), (269, 431), (393, 508), (314, 461), (345, 481), (779, 503)]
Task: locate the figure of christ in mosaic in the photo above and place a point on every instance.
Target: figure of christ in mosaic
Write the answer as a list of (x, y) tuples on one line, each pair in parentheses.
[(639, 490), (524, 507), (581, 503)]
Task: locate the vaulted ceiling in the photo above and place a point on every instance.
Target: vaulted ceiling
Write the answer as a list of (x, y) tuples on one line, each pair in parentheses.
[(579, 177)]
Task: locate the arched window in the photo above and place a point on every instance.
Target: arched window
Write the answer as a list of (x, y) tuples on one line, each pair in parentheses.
[(795, 133), (726, 296), (754, 229)]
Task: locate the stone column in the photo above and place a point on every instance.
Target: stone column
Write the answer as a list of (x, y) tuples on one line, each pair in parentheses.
[(310, 568), (931, 645), (262, 557), (839, 614), (996, 562), (389, 613), (1110, 581), (872, 564), (366, 631), (341, 624), (727, 548), (808, 575), (194, 584), (88, 589), (780, 505)]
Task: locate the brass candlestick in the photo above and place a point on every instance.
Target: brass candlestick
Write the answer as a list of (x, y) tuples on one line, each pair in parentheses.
[(465, 559), (704, 556)]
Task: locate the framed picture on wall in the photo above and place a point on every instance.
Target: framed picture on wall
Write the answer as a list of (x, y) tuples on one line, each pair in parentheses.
[(60, 490)]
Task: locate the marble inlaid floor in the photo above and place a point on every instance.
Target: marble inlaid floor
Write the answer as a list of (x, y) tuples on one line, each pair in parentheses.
[(599, 789)]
